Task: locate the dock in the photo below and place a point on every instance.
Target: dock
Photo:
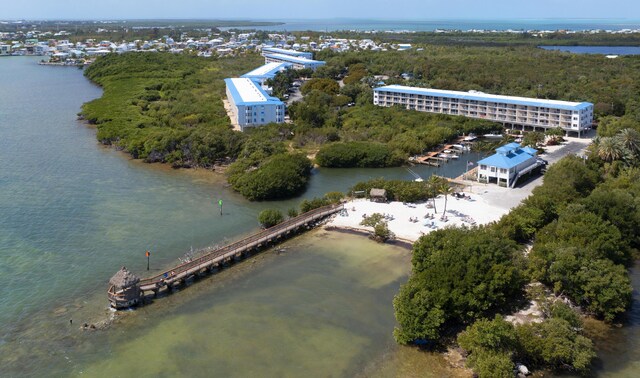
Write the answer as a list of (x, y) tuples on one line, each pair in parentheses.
[(126, 290), (434, 158)]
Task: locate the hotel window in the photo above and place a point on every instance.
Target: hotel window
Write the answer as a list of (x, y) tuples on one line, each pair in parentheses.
[(502, 170), (493, 169)]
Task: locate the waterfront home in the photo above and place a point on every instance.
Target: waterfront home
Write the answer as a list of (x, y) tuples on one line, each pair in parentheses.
[(508, 164), (5, 50)]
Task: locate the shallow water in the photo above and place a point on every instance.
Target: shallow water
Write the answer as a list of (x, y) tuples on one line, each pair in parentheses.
[(73, 212)]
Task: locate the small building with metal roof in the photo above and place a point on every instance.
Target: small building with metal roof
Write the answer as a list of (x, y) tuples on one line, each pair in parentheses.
[(508, 164)]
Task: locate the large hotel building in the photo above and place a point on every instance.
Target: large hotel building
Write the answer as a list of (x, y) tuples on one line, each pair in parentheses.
[(251, 105), (508, 110)]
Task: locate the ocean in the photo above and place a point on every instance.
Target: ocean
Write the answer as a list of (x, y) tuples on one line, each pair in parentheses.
[(339, 24)]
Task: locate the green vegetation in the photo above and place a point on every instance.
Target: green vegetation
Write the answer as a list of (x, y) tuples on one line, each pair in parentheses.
[(397, 190), (165, 107), (458, 276), (611, 84), (556, 343), (357, 154), (381, 232), (327, 199), (270, 217), (503, 39), (582, 222), (280, 176)]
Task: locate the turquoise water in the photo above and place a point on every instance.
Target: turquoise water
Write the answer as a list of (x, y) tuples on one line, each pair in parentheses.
[(73, 212)]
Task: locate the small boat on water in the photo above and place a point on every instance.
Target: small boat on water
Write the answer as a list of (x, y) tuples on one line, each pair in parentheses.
[(445, 156), (454, 156), (470, 138), (459, 146), (493, 136)]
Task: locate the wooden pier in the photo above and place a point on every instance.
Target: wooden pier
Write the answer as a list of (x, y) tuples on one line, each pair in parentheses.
[(434, 159), (127, 290)]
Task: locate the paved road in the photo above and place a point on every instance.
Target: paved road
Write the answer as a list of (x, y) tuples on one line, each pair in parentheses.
[(571, 148), (295, 96), (509, 198)]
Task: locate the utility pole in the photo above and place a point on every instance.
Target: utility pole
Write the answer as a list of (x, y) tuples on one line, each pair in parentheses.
[(148, 254)]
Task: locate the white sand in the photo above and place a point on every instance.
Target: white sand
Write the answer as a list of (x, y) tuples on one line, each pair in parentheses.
[(459, 212), (488, 203)]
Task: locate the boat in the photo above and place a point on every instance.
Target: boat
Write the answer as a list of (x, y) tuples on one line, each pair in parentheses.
[(493, 136), (416, 176), (470, 138), (444, 156), (459, 146), (454, 156)]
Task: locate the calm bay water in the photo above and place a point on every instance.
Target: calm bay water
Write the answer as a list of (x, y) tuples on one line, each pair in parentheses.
[(604, 50), (338, 24), (72, 213)]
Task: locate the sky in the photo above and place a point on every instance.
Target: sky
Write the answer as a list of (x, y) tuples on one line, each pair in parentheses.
[(315, 9)]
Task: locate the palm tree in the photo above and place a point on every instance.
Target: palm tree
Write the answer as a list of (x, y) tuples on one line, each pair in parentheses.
[(630, 139), (609, 149), (445, 189), (433, 188)]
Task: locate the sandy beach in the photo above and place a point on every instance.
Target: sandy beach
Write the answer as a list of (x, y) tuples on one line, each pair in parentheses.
[(409, 221), (483, 203)]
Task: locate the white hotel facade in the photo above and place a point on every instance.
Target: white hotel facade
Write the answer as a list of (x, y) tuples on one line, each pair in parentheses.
[(251, 105), (508, 110)]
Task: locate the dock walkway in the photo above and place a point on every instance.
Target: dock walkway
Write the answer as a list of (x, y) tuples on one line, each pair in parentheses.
[(222, 255), (433, 158)]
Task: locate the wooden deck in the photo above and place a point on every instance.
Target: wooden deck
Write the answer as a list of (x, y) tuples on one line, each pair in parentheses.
[(235, 250), (432, 158)]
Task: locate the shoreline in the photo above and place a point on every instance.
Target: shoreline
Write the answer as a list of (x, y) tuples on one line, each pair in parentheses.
[(398, 242), (482, 204)]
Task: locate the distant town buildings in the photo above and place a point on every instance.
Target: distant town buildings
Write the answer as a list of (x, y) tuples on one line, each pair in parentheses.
[(511, 111), (508, 164), (251, 105)]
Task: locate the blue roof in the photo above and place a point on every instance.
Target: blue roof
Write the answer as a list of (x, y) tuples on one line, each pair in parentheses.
[(238, 100), (267, 71), (508, 156), (294, 59), (276, 50), (479, 96)]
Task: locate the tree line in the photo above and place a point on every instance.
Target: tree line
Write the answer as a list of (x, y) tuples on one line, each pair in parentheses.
[(582, 224)]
